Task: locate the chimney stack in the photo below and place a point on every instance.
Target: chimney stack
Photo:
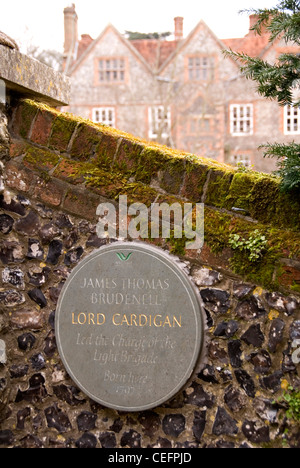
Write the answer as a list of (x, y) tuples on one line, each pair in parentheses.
[(71, 30), (178, 28), (253, 19)]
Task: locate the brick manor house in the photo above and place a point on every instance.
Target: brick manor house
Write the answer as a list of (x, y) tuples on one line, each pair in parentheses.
[(183, 92)]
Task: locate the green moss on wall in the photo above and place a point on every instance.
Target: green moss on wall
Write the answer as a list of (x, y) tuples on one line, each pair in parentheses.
[(40, 159), (61, 133)]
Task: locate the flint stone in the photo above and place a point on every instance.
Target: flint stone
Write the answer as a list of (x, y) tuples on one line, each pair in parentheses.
[(21, 417), (50, 344), (272, 382), (107, 440), (253, 336), (224, 423), (38, 362), (71, 239), (234, 398), (37, 296), (199, 424), (216, 300), (281, 303), (254, 433), (87, 441), (36, 391), (261, 361), (11, 298), (266, 409), (245, 382), (12, 205), (3, 357), (208, 374), (206, 277), (173, 424), (150, 422), (226, 329), (11, 252), (73, 256), (54, 293), (276, 334), (48, 232), (57, 419), (86, 421), (14, 277), (26, 341), (63, 221), (295, 330), (242, 290), (29, 225), (6, 223), (18, 371), (54, 252), (35, 250), (131, 439), (198, 397), (250, 309), (27, 318), (6, 437), (68, 394), (38, 278), (235, 353)]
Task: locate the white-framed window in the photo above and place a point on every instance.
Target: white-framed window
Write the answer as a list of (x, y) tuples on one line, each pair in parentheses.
[(241, 119), (291, 120), (159, 122), (241, 159), (105, 115)]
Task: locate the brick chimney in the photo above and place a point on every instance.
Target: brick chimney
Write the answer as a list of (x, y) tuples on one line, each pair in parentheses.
[(178, 28), (71, 33), (253, 19)]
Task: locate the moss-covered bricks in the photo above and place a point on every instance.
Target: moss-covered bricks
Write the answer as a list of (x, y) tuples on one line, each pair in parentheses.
[(81, 163)]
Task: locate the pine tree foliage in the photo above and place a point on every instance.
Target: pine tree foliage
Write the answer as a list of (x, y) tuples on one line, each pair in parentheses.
[(280, 80)]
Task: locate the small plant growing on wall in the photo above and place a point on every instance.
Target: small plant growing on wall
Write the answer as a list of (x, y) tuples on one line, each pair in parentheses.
[(254, 247)]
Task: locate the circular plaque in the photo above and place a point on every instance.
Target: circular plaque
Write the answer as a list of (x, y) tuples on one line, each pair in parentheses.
[(129, 326)]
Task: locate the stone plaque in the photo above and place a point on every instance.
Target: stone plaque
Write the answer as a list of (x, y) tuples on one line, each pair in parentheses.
[(130, 326)]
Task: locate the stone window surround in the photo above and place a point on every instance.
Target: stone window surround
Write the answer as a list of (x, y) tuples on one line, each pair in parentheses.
[(114, 70)]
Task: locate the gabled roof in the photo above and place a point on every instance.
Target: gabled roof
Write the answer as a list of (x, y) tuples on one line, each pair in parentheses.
[(156, 54), (86, 49), (184, 43)]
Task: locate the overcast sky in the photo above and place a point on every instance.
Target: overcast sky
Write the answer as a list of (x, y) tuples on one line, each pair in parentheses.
[(41, 22)]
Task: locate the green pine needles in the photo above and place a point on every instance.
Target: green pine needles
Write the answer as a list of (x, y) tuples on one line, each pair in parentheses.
[(278, 81)]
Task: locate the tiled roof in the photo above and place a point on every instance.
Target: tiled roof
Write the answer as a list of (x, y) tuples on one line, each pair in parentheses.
[(154, 51), (252, 44)]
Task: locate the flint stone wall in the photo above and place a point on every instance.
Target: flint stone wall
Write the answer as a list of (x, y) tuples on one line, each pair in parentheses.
[(56, 170)]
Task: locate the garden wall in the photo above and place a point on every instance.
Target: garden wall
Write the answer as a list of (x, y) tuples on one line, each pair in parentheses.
[(56, 170)]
